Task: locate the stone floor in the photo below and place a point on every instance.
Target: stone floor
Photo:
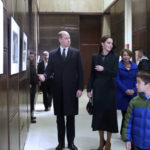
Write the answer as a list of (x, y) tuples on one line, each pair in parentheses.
[(43, 134)]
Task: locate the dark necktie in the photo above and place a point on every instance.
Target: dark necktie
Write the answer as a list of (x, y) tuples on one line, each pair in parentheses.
[(63, 54)]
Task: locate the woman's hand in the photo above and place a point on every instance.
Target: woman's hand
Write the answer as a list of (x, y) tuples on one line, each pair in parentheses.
[(129, 92), (99, 68), (89, 94)]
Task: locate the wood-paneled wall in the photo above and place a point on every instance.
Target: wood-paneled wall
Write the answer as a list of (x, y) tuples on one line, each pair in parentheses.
[(141, 25), (90, 34), (14, 89), (148, 27), (51, 24), (117, 24)]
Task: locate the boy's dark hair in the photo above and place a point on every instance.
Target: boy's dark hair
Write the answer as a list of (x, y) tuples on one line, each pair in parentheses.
[(144, 75)]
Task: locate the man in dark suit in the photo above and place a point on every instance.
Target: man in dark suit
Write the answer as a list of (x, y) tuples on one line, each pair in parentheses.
[(46, 85), (33, 82), (65, 62)]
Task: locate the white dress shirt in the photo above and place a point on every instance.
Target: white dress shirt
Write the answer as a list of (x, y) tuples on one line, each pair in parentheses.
[(66, 50), (45, 64)]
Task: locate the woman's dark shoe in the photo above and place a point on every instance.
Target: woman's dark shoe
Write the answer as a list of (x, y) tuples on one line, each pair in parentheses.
[(101, 148)]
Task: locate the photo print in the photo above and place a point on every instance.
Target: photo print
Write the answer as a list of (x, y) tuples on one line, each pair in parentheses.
[(14, 46), (24, 52), (1, 39)]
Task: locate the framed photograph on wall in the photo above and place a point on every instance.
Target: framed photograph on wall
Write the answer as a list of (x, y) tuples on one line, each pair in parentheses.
[(24, 52), (1, 39), (14, 46)]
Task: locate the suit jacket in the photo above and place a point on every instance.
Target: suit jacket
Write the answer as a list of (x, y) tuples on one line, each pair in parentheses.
[(45, 86), (41, 67), (68, 78)]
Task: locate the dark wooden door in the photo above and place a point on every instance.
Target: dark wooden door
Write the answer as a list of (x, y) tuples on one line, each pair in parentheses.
[(90, 33)]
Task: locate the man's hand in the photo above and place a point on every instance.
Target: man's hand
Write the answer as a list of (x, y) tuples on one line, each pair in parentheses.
[(128, 145), (79, 93), (89, 94), (41, 77)]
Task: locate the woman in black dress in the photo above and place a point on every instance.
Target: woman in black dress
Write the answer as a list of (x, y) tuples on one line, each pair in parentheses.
[(101, 87)]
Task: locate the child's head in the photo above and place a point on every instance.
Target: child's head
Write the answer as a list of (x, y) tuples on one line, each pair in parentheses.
[(143, 82)]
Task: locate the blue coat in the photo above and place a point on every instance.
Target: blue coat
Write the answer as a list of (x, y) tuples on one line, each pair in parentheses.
[(126, 79)]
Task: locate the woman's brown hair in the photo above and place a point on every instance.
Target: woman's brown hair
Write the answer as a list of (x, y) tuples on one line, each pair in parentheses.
[(103, 39), (126, 50)]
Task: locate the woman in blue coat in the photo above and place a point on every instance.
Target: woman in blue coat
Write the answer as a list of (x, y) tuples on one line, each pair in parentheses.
[(125, 82)]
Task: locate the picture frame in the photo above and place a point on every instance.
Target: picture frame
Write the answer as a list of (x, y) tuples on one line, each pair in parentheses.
[(24, 52), (1, 39), (14, 46)]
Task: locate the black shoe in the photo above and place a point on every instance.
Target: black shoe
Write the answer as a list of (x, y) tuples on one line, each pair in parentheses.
[(46, 109), (32, 118), (33, 121), (60, 146), (72, 147)]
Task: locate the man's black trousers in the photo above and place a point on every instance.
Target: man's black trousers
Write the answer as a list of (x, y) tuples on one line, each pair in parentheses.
[(67, 123)]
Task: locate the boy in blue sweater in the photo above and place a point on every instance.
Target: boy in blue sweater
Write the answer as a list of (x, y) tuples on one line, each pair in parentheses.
[(136, 127)]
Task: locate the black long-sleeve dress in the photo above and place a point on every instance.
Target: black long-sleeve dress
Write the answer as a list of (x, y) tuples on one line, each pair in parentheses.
[(102, 85)]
